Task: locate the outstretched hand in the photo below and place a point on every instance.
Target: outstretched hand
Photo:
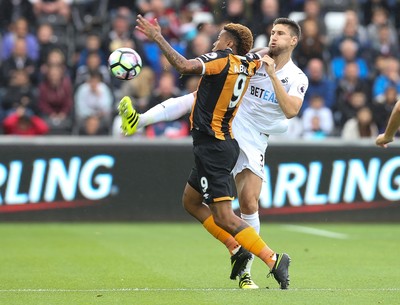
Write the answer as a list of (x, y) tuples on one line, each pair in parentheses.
[(150, 30), (382, 140)]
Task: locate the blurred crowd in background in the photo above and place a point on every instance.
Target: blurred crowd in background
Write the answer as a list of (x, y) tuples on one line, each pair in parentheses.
[(54, 78)]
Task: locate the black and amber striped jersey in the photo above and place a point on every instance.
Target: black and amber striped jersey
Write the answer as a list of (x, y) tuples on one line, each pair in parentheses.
[(224, 81)]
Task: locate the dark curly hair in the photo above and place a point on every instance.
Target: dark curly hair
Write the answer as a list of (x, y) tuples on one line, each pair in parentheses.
[(242, 35)]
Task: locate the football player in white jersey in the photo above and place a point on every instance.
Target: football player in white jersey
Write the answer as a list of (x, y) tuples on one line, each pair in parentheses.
[(274, 95)]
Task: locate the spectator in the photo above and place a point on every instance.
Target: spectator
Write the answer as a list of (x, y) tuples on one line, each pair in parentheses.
[(55, 57), (265, 12), (380, 17), (383, 109), (236, 11), (390, 77), (319, 83), (312, 11), (19, 93), (188, 28), (349, 107), (121, 30), (368, 7), (170, 28), (52, 10), (166, 17), (18, 61), (94, 98), (200, 45), (317, 119), (93, 64), (56, 98), (354, 31), (93, 43), (349, 84), (384, 45), (48, 41), (360, 126), (191, 84), (311, 45), (20, 30), (22, 122), (348, 53), (13, 10), (93, 126)]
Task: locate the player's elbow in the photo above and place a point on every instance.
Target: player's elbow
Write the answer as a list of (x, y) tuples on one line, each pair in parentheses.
[(291, 113), (293, 108), (290, 116), (397, 106), (182, 69), (189, 67)]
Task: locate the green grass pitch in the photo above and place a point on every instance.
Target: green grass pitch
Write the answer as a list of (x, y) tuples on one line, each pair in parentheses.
[(179, 263)]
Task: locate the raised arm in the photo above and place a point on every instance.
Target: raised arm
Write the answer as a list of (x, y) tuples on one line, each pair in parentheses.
[(393, 125), (179, 62), (289, 104)]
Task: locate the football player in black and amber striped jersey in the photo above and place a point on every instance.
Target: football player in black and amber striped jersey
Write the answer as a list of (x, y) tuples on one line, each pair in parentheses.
[(225, 72), (225, 79)]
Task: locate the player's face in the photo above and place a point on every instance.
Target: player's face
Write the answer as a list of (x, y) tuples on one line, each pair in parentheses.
[(222, 41), (281, 40)]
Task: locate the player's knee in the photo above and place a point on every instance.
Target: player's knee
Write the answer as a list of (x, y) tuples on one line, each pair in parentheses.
[(191, 200), (248, 205)]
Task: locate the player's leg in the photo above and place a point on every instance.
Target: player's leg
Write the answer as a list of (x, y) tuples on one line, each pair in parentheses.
[(248, 173), (214, 162), (193, 203), (250, 240), (248, 187), (169, 110)]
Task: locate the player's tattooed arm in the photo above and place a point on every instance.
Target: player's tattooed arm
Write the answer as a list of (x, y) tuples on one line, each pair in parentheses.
[(179, 62)]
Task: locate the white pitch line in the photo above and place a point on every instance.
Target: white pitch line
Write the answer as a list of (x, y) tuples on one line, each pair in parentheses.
[(186, 289), (319, 232)]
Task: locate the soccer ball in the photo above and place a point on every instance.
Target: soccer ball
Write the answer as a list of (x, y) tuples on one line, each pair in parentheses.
[(125, 63)]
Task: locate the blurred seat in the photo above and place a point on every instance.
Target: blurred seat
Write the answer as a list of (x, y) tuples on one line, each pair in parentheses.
[(334, 22), (297, 16)]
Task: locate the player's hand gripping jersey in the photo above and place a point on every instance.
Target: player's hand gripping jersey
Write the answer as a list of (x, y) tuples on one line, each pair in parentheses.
[(225, 80), (260, 107)]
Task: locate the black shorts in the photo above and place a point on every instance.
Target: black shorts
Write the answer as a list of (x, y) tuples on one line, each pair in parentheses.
[(211, 175)]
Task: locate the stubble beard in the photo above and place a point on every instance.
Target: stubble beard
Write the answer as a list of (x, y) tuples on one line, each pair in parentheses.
[(274, 52)]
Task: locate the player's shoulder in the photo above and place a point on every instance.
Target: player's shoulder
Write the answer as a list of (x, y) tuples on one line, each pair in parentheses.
[(292, 66), (214, 55), (293, 69)]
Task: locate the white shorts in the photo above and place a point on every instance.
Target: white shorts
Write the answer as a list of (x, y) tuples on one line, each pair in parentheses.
[(252, 145)]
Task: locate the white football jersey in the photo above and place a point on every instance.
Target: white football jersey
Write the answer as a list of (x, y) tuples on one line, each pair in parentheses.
[(260, 108)]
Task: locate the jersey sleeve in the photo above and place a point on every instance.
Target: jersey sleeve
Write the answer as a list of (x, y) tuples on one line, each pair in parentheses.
[(299, 86), (213, 63)]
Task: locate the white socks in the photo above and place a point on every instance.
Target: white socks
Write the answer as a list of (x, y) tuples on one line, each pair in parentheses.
[(254, 221), (169, 110)]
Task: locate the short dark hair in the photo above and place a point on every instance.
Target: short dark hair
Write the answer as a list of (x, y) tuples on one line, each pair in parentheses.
[(293, 25), (242, 36)]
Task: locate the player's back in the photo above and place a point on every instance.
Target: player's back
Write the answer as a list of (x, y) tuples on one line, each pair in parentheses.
[(225, 79)]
